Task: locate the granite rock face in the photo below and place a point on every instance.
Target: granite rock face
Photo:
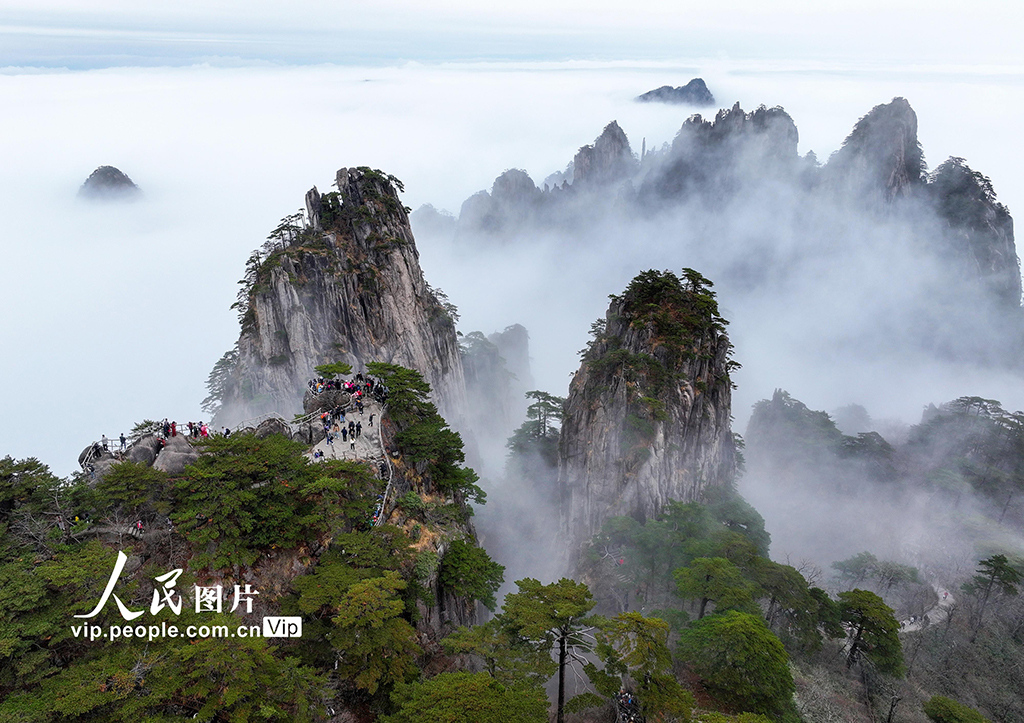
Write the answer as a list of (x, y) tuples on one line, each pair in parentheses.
[(882, 156), (273, 426), (108, 183), (175, 457), (169, 455), (608, 160), (144, 452), (514, 347), (488, 387), (512, 202), (647, 416), (716, 158), (979, 228), (349, 291), (693, 93)]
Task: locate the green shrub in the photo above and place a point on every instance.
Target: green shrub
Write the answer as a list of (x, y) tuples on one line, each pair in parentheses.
[(946, 710)]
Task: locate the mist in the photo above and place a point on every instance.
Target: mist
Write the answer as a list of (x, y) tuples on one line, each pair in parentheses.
[(827, 297), (115, 313)]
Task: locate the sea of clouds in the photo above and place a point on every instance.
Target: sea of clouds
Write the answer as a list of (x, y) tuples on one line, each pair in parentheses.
[(116, 312)]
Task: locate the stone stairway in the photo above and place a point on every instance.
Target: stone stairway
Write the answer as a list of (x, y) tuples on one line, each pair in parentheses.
[(367, 445)]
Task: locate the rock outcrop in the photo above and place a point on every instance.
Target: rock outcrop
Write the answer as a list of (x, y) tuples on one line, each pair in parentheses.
[(980, 229), (512, 202), (693, 93), (347, 287), (715, 158), (433, 224), (758, 213), (488, 387), (169, 455), (497, 369), (108, 183), (514, 346), (647, 416), (176, 454), (607, 161), (882, 156)]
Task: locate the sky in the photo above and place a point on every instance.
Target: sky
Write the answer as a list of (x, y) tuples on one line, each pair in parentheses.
[(226, 113)]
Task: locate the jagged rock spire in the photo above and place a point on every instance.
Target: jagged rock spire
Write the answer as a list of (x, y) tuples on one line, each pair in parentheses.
[(608, 160), (882, 154), (350, 289), (647, 416)]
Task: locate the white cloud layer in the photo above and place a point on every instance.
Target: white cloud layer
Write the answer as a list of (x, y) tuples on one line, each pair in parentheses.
[(116, 313)]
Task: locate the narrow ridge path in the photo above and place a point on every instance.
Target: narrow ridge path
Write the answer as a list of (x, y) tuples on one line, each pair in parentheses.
[(368, 447)]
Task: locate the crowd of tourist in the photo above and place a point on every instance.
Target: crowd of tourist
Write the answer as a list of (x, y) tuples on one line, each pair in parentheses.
[(360, 385), (339, 422)]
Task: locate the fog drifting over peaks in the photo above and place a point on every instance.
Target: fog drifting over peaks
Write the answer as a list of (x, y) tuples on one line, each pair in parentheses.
[(117, 312)]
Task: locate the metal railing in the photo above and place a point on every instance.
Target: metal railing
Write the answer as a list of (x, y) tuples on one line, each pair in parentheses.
[(391, 469)]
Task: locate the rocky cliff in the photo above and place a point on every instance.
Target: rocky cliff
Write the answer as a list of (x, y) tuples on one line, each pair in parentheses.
[(497, 370), (514, 346), (608, 160), (979, 229), (647, 416), (512, 202), (714, 158), (882, 156), (345, 286), (764, 213)]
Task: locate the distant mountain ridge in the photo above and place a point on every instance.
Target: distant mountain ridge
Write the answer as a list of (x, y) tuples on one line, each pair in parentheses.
[(720, 168), (693, 93)]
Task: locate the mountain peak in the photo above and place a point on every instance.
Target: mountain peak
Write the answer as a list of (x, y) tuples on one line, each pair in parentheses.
[(607, 160), (107, 182), (647, 416), (346, 286), (693, 93), (882, 153)]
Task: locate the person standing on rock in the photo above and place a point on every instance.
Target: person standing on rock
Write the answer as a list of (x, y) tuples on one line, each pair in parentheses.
[(371, 419), (103, 441), (344, 434), (359, 429), (174, 429), (124, 442)]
